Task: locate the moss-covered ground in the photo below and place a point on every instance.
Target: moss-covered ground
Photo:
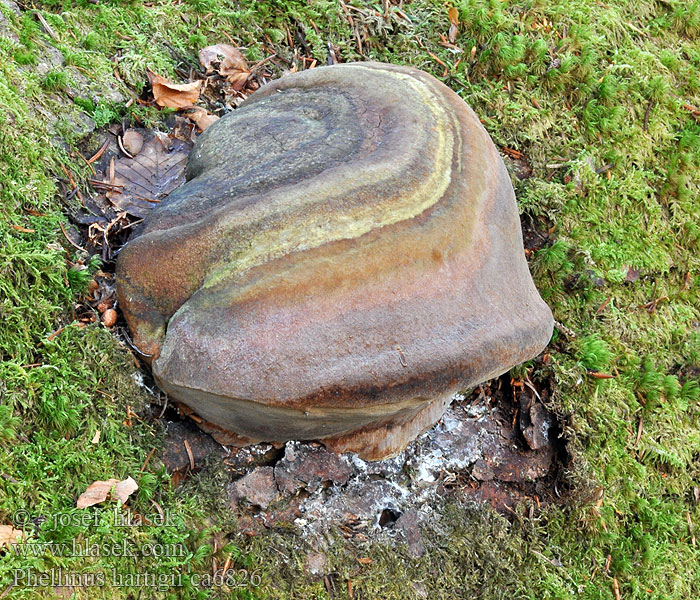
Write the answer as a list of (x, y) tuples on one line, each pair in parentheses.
[(599, 100)]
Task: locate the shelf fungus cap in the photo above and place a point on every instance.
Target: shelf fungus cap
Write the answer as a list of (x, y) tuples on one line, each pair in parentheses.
[(345, 255)]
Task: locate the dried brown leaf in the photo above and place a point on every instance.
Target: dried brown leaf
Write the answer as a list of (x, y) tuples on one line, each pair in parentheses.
[(452, 33), (9, 535), (109, 318), (132, 141), (174, 95), (124, 489), (453, 14), (201, 118), (148, 177), (238, 80), (96, 492), (99, 491), (632, 274), (223, 58), (163, 138)]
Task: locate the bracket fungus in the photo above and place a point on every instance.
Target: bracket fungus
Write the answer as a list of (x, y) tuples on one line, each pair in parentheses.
[(345, 255)]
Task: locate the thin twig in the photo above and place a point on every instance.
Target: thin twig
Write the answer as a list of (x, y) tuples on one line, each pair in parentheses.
[(99, 153), (189, 454), (70, 241), (47, 27), (145, 462)]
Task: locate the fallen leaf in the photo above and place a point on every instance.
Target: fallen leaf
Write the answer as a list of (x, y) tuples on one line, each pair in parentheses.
[(632, 274), (228, 62), (174, 95), (223, 58), (183, 129), (201, 118), (452, 34), (163, 138), (99, 491), (238, 80), (63, 591), (139, 183), (96, 438), (109, 318), (132, 141), (453, 14), (124, 489), (9, 535), (365, 560), (96, 492)]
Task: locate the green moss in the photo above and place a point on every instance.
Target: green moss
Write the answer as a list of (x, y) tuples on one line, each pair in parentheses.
[(598, 96), (55, 80), (25, 57)]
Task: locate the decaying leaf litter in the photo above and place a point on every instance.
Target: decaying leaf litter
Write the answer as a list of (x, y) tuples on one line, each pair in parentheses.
[(136, 168), (99, 491)]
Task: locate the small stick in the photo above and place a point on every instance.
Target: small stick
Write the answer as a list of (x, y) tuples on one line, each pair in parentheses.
[(651, 306), (437, 60), (105, 184), (602, 307), (640, 428), (260, 63), (691, 528), (686, 283), (70, 241), (165, 405), (227, 564), (230, 39), (145, 462), (72, 182), (36, 213), (55, 333), (616, 588), (121, 147), (89, 165), (47, 27), (189, 454), (564, 329), (99, 153)]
